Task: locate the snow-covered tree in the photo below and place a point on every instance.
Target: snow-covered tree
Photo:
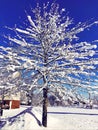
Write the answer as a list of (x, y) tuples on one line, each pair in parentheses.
[(46, 56)]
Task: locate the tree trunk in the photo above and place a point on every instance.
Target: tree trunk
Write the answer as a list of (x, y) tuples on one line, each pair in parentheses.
[(1, 112), (1, 104), (44, 114)]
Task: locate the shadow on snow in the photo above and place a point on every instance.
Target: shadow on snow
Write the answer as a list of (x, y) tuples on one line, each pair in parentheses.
[(74, 113), (11, 120)]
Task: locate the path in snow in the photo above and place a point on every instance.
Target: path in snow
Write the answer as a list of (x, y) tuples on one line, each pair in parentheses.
[(59, 118)]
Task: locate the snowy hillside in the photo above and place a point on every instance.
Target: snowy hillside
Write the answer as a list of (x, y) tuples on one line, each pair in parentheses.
[(59, 118)]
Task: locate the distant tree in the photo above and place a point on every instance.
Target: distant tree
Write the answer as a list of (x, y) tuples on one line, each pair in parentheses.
[(48, 57), (95, 99)]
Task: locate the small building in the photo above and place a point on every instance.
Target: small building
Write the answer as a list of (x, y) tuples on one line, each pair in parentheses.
[(11, 101)]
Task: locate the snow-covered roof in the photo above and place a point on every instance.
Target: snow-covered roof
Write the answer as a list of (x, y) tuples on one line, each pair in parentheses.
[(11, 96)]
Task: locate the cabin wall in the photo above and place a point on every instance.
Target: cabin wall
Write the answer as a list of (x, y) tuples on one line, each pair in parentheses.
[(11, 104), (15, 104)]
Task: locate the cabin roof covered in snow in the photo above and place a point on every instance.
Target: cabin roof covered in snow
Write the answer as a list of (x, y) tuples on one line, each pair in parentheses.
[(15, 96)]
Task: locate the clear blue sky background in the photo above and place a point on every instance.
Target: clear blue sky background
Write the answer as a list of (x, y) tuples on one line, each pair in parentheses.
[(13, 12)]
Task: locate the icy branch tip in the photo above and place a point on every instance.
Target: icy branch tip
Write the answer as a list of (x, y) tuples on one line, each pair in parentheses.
[(96, 22), (63, 10)]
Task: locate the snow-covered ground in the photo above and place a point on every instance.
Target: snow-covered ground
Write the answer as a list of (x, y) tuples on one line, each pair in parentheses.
[(59, 118)]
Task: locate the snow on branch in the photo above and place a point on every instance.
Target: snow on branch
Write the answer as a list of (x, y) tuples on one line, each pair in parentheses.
[(48, 51)]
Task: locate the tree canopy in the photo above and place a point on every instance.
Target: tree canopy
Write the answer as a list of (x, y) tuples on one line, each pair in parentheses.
[(46, 53)]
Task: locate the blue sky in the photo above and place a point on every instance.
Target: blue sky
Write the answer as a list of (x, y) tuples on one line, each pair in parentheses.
[(13, 12)]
